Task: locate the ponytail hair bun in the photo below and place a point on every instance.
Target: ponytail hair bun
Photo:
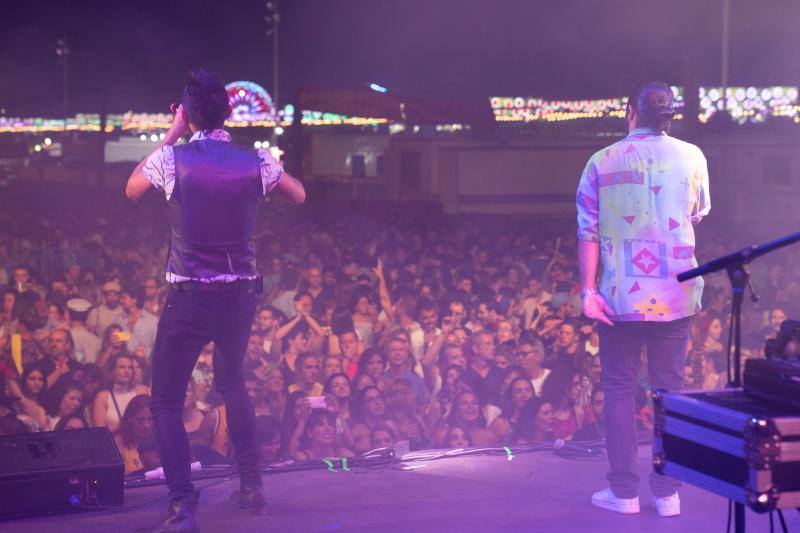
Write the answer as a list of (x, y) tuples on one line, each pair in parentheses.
[(654, 104)]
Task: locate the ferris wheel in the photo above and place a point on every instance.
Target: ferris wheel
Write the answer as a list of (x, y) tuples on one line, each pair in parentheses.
[(249, 102)]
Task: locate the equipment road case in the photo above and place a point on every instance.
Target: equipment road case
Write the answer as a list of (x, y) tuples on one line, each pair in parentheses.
[(730, 444)]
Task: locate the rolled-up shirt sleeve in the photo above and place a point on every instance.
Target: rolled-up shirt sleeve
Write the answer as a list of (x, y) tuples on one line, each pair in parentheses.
[(586, 202), (159, 169), (271, 171), (703, 204)]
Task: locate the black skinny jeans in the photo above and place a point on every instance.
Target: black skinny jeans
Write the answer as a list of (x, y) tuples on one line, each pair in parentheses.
[(191, 319)]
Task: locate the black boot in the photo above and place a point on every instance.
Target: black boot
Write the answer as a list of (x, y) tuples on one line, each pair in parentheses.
[(181, 517), (250, 496)]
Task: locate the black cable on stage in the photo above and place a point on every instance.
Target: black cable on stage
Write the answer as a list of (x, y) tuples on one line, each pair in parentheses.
[(730, 508), (383, 458), (783, 521), (377, 459)]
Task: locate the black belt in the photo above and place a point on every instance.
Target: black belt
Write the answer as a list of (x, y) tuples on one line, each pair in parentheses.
[(239, 285)]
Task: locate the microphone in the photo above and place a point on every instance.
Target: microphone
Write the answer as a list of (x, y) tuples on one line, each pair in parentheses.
[(158, 473)]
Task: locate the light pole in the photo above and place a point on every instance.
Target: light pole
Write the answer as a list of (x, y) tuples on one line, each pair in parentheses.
[(62, 51), (273, 19), (726, 42)]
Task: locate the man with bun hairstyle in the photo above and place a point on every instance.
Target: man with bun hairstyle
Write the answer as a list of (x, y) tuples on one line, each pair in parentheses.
[(213, 189), (637, 201)]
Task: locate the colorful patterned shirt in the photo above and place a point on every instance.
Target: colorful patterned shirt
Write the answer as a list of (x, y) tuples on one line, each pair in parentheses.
[(639, 199)]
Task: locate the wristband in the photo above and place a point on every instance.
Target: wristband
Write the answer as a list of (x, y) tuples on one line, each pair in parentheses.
[(588, 292)]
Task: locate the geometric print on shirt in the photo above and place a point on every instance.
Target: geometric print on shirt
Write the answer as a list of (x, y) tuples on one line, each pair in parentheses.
[(645, 259)]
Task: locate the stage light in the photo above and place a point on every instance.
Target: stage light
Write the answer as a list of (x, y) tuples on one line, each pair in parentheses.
[(154, 137), (161, 136), (264, 144), (37, 148), (257, 144), (242, 93), (278, 130), (142, 137), (48, 141), (378, 88)]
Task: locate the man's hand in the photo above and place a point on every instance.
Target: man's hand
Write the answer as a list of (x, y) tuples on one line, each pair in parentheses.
[(138, 185), (180, 125), (595, 307)]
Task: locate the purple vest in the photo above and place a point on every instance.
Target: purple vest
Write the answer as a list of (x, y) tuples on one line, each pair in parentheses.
[(213, 209)]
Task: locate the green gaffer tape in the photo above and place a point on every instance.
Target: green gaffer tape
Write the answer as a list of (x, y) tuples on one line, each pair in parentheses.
[(330, 465)]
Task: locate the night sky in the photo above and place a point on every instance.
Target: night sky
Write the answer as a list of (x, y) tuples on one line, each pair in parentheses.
[(136, 53)]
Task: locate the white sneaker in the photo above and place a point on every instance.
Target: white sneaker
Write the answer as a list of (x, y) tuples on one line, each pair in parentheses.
[(606, 500), (669, 506)]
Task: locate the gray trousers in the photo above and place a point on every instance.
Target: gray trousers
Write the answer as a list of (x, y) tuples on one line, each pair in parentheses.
[(620, 355)]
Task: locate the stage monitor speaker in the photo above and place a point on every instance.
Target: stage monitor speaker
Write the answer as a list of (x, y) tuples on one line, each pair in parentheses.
[(59, 471)]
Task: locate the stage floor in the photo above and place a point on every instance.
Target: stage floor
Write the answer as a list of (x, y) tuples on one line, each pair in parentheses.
[(533, 492)]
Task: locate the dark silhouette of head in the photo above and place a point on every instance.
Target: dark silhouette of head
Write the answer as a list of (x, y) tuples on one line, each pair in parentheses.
[(205, 100), (652, 105)]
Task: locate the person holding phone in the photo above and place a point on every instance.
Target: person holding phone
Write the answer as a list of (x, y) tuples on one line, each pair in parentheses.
[(213, 189)]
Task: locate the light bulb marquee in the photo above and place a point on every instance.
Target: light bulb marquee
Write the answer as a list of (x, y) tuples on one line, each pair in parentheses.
[(519, 109), (749, 104), (251, 104)]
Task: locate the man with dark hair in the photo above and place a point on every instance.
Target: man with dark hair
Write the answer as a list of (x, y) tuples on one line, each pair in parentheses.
[(306, 375), (567, 347), (637, 202), (139, 323), (266, 324), (213, 189)]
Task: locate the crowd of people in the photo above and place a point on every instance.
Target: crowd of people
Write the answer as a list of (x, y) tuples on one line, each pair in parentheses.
[(377, 327)]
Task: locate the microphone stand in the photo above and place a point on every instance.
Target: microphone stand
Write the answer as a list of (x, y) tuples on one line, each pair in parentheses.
[(735, 265)]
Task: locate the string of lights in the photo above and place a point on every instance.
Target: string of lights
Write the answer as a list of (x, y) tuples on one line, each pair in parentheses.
[(519, 109), (253, 107)]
